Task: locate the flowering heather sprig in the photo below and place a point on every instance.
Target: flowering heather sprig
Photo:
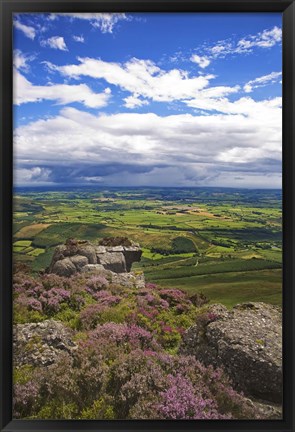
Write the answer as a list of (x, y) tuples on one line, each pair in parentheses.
[(150, 299), (148, 313), (106, 298), (24, 285), (96, 283), (164, 304), (76, 302), (173, 296), (122, 334), (29, 302), (24, 398), (167, 328), (89, 316), (52, 299), (151, 286), (179, 401), (54, 281)]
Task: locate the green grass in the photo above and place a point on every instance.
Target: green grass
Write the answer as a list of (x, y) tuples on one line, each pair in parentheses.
[(211, 267), (23, 243), (29, 249), (36, 252), (58, 233), (18, 248), (232, 288)]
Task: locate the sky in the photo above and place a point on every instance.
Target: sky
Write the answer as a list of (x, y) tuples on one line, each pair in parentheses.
[(148, 99)]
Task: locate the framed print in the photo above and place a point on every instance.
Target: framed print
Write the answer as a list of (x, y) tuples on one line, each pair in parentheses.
[(147, 215)]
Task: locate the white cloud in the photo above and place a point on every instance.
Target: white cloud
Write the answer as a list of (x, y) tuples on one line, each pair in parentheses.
[(147, 149), (104, 21), (218, 92), (25, 91), (79, 38), (56, 42), (146, 81), (51, 17), (28, 31), (262, 81), (139, 77), (221, 48), (21, 60), (265, 112), (134, 102), (203, 62), (32, 175), (264, 39)]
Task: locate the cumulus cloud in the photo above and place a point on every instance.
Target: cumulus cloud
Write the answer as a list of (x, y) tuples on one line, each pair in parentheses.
[(103, 21), (25, 91), (146, 81), (28, 31), (203, 62), (138, 76), (147, 149), (143, 78), (55, 42), (262, 81)]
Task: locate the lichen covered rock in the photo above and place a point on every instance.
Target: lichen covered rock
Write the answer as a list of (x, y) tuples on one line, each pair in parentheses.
[(64, 267), (41, 344), (246, 342)]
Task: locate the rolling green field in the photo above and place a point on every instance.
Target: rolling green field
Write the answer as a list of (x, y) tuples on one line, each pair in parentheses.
[(226, 243)]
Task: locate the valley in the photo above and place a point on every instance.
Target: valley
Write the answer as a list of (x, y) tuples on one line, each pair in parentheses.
[(224, 243)]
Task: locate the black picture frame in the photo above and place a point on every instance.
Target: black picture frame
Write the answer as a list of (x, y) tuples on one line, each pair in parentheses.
[(287, 8)]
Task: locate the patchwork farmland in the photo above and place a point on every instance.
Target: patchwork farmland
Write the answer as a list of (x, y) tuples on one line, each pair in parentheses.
[(225, 243)]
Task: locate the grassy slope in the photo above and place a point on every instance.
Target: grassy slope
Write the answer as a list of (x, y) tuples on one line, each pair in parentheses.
[(233, 288)]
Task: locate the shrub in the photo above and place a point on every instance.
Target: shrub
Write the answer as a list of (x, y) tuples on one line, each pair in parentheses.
[(179, 401), (100, 409), (126, 365)]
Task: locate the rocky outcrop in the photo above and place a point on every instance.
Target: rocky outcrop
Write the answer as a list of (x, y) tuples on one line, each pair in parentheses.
[(79, 256), (128, 280), (246, 342), (41, 344), (64, 267)]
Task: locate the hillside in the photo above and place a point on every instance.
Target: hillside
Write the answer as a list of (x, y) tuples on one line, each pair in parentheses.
[(107, 345)]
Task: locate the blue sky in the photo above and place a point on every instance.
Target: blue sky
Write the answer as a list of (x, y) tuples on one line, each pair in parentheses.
[(148, 99)]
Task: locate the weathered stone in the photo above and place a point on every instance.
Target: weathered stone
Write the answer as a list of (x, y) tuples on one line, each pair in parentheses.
[(79, 261), (93, 268), (64, 267), (246, 342), (100, 249), (41, 344), (115, 249), (268, 411), (113, 261), (129, 280), (76, 255), (57, 255), (89, 252)]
